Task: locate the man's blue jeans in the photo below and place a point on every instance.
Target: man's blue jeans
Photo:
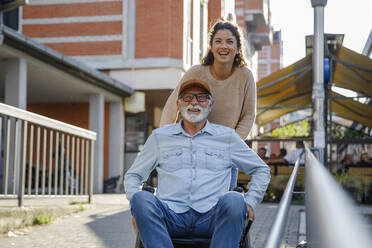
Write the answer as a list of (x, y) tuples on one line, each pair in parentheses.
[(224, 223)]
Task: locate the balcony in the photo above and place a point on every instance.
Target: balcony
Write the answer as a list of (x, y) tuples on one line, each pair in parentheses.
[(257, 12), (262, 37)]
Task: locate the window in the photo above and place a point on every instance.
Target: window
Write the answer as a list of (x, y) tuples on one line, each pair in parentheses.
[(11, 19), (135, 132)]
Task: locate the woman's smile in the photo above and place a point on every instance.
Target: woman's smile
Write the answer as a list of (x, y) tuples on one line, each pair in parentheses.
[(224, 46)]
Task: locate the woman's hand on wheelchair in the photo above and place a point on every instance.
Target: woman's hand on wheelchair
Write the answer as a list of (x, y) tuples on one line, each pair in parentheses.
[(250, 213)]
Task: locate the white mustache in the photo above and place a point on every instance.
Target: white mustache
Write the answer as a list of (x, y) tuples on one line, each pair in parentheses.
[(191, 107), (193, 117)]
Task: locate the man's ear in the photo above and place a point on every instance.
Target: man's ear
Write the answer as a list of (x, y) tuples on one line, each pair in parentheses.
[(212, 102), (178, 104)]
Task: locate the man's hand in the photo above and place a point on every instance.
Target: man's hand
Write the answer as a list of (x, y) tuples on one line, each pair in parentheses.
[(134, 226), (250, 212)]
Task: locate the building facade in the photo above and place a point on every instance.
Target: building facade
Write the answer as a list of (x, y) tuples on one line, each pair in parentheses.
[(146, 44), (269, 61), (37, 78)]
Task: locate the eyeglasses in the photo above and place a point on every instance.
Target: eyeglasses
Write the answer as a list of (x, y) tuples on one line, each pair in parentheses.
[(201, 97)]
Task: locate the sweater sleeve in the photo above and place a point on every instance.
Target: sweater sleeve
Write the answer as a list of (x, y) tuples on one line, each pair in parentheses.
[(248, 113), (170, 111)]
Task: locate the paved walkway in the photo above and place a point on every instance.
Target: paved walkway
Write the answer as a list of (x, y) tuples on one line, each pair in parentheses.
[(265, 215), (107, 225)]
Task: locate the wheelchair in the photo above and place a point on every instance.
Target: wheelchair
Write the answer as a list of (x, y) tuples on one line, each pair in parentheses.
[(203, 242), (190, 242)]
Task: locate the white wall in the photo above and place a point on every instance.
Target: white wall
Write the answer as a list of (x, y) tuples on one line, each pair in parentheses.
[(149, 79)]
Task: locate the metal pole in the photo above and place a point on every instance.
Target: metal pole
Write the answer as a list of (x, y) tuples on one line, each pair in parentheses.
[(277, 229), (318, 101), (91, 173), (332, 219), (22, 168), (318, 75), (330, 109), (367, 50)]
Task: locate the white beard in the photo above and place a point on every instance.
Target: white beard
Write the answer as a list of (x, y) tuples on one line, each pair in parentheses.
[(195, 118)]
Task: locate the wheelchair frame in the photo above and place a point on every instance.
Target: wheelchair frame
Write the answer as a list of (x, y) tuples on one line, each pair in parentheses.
[(245, 241)]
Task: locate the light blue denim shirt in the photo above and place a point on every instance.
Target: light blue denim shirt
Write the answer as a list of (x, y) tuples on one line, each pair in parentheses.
[(195, 171)]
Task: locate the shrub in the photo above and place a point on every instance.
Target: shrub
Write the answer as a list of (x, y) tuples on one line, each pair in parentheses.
[(277, 186), (356, 185)]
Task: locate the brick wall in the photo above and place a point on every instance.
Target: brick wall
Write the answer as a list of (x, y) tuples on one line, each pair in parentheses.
[(275, 50), (214, 11), (159, 28), (269, 60), (76, 29), (268, 63), (239, 12), (76, 114), (255, 4)]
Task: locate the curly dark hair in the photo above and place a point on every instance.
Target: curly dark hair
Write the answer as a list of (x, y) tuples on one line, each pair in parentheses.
[(239, 59)]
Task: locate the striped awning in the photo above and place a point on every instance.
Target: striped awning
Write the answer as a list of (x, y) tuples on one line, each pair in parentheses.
[(290, 88)]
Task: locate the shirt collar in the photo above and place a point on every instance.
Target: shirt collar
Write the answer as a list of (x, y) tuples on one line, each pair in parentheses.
[(208, 128)]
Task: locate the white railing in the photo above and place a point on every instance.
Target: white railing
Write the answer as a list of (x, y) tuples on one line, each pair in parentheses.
[(331, 218), (43, 157), (277, 229)]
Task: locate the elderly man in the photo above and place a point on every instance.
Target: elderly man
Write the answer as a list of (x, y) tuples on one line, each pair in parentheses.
[(194, 159)]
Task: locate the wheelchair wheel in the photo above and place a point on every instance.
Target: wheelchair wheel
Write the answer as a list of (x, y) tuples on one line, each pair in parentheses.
[(138, 243), (245, 242)]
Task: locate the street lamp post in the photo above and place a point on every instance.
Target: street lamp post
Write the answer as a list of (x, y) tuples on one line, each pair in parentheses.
[(318, 77), (318, 96)]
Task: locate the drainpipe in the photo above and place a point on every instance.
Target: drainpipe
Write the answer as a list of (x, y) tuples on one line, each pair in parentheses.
[(318, 77)]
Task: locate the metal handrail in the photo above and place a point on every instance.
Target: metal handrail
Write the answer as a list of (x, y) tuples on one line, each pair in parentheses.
[(331, 218), (45, 121), (57, 160), (277, 229)]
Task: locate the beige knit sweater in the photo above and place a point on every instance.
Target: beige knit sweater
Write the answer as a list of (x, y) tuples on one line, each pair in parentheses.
[(234, 99)]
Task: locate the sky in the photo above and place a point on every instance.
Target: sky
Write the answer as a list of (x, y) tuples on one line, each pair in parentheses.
[(295, 18)]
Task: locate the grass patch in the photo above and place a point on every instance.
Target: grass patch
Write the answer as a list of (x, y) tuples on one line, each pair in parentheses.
[(79, 209), (78, 203), (40, 217), (28, 216), (42, 220)]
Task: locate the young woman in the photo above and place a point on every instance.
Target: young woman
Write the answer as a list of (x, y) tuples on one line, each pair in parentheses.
[(231, 82)]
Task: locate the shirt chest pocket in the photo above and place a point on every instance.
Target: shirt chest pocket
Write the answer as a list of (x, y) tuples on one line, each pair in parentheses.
[(172, 159), (215, 159)]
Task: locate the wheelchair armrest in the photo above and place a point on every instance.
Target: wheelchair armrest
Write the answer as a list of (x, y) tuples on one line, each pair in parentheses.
[(148, 188), (240, 189)]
